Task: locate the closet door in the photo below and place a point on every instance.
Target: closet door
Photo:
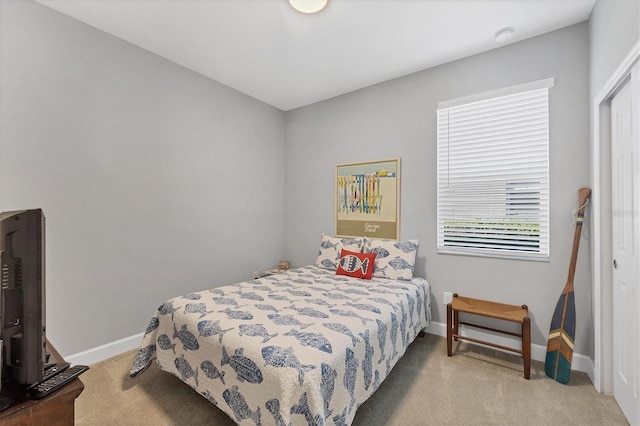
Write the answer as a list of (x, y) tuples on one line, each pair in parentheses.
[(625, 170)]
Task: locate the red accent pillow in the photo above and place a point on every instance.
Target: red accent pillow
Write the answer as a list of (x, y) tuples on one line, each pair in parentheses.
[(355, 264)]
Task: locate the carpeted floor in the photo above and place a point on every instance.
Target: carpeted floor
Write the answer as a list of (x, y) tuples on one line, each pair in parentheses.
[(477, 386)]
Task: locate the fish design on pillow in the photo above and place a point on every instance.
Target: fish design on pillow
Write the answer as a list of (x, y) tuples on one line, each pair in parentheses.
[(380, 252), (328, 264), (239, 406), (351, 263), (326, 244), (406, 246), (400, 264), (350, 242)]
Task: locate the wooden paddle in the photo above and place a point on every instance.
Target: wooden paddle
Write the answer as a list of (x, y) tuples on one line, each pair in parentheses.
[(563, 324)]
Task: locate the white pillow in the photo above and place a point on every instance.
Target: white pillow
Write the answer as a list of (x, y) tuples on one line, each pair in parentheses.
[(330, 248), (395, 260)]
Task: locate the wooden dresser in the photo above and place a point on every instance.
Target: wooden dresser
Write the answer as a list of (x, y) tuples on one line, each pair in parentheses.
[(56, 409)]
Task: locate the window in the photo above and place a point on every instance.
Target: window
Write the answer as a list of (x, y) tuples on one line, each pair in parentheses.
[(493, 173)]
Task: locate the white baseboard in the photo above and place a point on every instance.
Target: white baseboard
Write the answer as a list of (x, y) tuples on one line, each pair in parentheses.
[(579, 363), (538, 353), (91, 356)]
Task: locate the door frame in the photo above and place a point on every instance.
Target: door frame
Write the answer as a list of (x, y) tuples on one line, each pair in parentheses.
[(601, 250)]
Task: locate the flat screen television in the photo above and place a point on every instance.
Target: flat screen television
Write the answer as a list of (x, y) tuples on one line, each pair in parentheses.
[(22, 300)]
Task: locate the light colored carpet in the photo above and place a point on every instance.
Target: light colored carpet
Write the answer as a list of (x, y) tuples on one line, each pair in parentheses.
[(476, 386)]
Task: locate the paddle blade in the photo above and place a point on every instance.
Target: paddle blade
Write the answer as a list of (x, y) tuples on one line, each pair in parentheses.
[(557, 364)]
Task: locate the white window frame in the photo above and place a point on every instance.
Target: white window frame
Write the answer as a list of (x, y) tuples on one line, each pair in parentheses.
[(493, 173)]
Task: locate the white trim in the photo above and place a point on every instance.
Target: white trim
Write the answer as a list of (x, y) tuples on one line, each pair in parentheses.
[(602, 378), (92, 356), (505, 91), (538, 353)]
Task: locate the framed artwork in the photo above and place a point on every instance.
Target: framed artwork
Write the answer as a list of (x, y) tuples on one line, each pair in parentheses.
[(368, 199)]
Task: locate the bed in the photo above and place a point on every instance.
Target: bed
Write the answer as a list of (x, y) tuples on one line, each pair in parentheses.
[(303, 347)]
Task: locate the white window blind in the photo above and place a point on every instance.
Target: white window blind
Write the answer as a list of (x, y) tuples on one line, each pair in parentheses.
[(493, 174)]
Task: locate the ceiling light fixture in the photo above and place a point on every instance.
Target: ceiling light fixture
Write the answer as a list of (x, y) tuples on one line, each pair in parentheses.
[(308, 6), (504, 35)]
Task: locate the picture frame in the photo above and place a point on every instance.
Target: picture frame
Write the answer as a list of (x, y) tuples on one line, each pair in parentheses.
[(367, 199)]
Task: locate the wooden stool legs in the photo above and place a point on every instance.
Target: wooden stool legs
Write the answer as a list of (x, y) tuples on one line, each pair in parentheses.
[(526, 346), (492, 310), (449, 331)]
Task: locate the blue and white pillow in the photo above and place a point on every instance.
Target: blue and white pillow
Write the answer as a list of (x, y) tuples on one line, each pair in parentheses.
[(395, 260), (330, 248)]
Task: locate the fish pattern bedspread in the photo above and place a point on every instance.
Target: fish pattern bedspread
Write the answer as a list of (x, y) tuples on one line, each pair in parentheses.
[(305, 347)]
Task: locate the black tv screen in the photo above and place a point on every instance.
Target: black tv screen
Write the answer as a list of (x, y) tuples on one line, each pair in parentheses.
[(22, 297)]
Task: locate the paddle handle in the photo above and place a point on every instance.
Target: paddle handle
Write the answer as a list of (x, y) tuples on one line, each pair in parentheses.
[(583, 197)]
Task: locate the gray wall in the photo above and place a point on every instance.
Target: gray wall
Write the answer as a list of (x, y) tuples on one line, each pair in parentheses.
[(614, 27), (154, 180), (397, 118)]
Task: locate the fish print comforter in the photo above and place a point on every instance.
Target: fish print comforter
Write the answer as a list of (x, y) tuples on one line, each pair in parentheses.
[(305, 347)]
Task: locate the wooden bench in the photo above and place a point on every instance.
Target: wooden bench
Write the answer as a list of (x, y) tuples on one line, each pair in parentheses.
[(501, 311)]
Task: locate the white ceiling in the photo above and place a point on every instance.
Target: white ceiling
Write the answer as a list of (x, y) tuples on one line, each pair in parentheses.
[(288, 59)]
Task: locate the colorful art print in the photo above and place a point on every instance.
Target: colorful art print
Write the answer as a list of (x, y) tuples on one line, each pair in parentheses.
[(368, 199)]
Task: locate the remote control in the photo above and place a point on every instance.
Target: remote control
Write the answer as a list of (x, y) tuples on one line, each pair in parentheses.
[(54, 383), (52, 370)]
